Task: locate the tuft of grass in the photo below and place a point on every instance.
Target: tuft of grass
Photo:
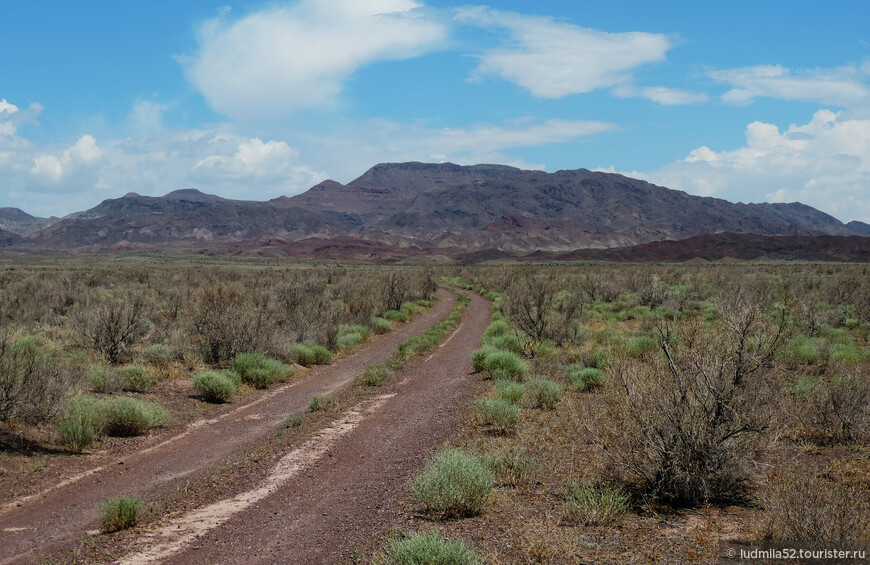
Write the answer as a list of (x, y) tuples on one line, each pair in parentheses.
[(544, 393), (120, 514), (308, 354), (130, 417), (213, 386), (77, 431), (497, 328), (510, 468), (260, 371), (478, 358), (103, 380), (506, 342), (427, 549), (396, 316), (135, 379), (454, 484), (158, 353), (410, 309), (293, 421), (316, 403), (506, 365), (595, 504), (510, 391), (374, 375), (583, 379), (502, 416), (380, 325)]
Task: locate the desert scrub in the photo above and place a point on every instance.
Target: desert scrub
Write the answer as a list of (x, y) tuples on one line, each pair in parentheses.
[(214, 386), (478, 358), (502, 416), (293, 421), (544, 393), (351, 336), (103, 380), (380, 325), (510, 391), (583, 379), (396, 316), (506, 365), (505, 342), (120, 514), (158, 354), (77, 431), (374, 375), (454, 484), (308, 354), (135, 379), (427, 549), (130, 417), (594, 504), (317, 403), (409, 309), (260, 371), (509, 467), (496, 329)]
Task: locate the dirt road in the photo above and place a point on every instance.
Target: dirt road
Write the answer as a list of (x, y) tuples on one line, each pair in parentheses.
[(333, 495), (59, 517)]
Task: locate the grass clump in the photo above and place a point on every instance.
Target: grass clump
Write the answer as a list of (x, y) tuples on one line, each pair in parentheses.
[(583, 379), (77, 431), (510, 391), (120, 514), (454, 484), (396, 316), (351, 335), (502, 416), (317, 403), (103, 380), (213, 386), (506, 342), (427, 549), (158, 353), (374, 375), (544, 393), (130, 417), (409, 309), (260, 371), (595, 504), (510, 468), (308, 354), (478, 358), (293, 421), (136, 379), (497, 328), (506, 365), (380, 325)]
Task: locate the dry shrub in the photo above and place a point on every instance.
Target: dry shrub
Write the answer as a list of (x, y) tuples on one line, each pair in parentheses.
[(32, 384), (114, 326), (228, 321), (684, 422), (806, 506), (835, 410)]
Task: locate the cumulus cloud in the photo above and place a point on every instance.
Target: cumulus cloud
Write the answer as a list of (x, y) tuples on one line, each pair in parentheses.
[(844, 86), (278, 60), (553, 59), (11, 116), (824, 163), (661, 95)]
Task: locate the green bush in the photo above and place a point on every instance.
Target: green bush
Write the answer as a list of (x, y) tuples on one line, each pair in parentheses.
[(506, 365), (294, 420), (316, 403), (639, 345), (510, 391), (850, 354), (501, 415), (136, 379), (801, 350), (478, 358), (103, 380), (381, 325), (120, 514), (213, 386), (595, 504), (158, 353), (497, 328), (544, 393), (130, 417), (507, 342), (351, 336), (428, 549), (260, 371), (454, 484), (409, 309), (308, 354), (396, 316), (423, 303), (374, 375), (583, 379), (77, 431)]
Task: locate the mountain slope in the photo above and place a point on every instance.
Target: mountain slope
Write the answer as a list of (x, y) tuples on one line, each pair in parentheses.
[(20, 222)]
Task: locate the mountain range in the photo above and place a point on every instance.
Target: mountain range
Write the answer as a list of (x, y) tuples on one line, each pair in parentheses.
[(443, 211)]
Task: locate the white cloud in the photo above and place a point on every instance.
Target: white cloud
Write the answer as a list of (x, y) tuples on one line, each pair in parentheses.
[(11, 116), (661, 95), (824, 163), (553, 59), (844, 86), (278, 60)]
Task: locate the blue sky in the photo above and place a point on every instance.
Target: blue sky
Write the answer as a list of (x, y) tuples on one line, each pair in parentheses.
[(744, 101)]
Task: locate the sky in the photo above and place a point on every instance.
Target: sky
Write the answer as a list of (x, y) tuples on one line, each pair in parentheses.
[(746, 101)]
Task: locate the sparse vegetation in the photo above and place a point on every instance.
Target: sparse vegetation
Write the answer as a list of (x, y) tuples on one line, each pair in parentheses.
[(500, 415), (214, 386), (454, 484), (374, 375), (120, 514), (308, 354), (317, 403), (427, 549), (260, 371), (595, 504)]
